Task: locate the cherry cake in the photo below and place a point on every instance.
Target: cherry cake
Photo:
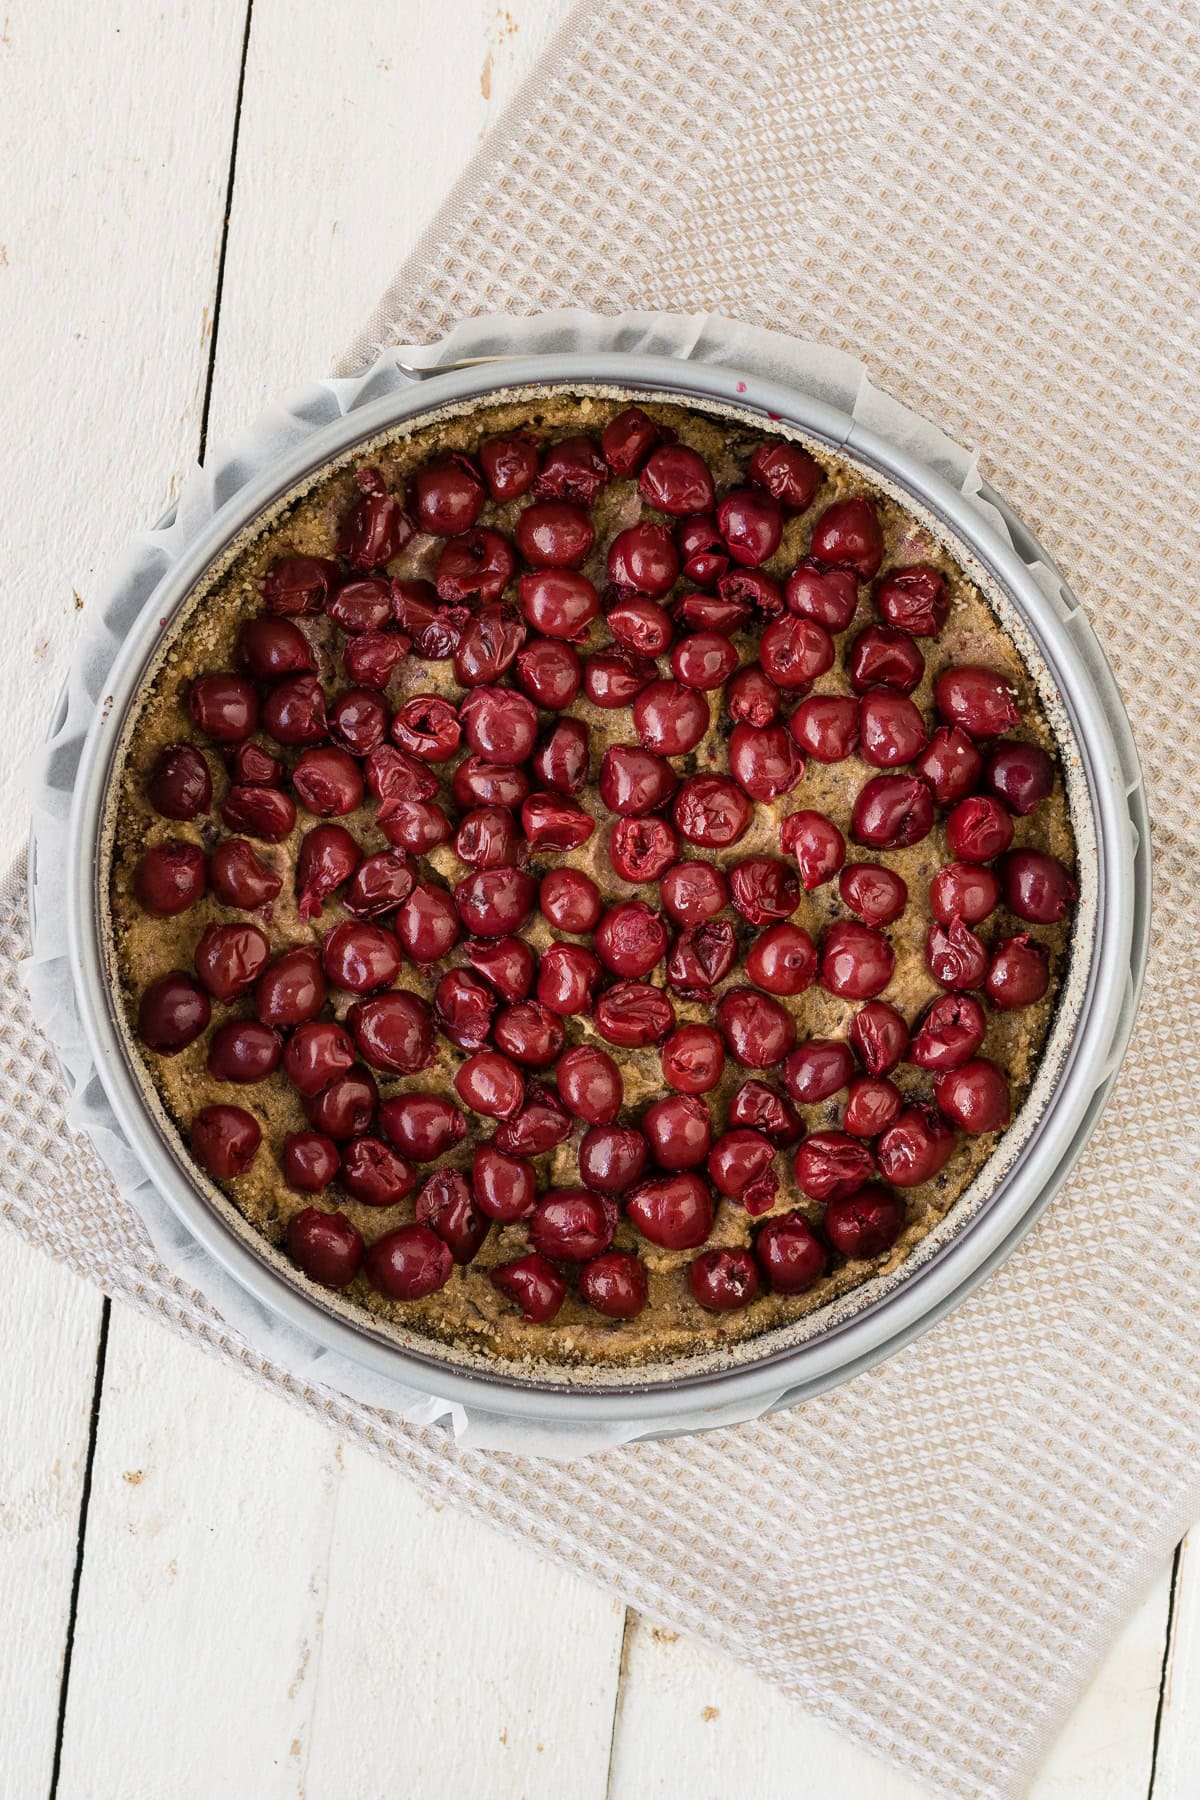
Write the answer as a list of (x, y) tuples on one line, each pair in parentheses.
[(589, 881)]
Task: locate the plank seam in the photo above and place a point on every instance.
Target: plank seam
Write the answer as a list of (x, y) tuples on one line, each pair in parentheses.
[(618, 1697), (221, 255), (1164, 1672)]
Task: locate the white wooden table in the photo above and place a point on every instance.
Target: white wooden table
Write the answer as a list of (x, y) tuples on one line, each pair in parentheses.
[(201, 1593)]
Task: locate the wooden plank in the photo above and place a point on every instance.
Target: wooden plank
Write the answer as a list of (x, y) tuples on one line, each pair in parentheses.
[(1177, 1765), (48, 1347), (692, 1722)]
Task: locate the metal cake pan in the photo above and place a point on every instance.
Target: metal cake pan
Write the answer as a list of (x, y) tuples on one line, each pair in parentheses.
[(1078, 1070)]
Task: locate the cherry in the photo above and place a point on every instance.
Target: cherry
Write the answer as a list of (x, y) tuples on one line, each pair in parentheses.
[(224, 1140), (489, 644), (172, 1013), (505, 1187), (230, 959), (829, 597), (915, 1148), (433, 628), (978, 829), (758, 1032), (763, 889), (327, 857), (463, 1005), (244, 1051), (1037, 887), (764, 760), (883, 657), (693, 1059), (701, 549), (880, 1036), (633, 1015), (554, 822), (949, 1034), (315, 1052), (448, 495), (872, 1104), (225, 707), (310, 1162), (914, 599), (376, 528), (499, 724), (677, 481), (409, 1264), (974, 1096), (753, 698), (170, 878), (358, 720), (393, 1031), (641, 849), (250, 765), (627, 440), (750, 590), (299, 584), (553, 534), (612, 1157), (508, 964), (737, 1159), (712, 811), (979, 701), (678, 1131), (830, 1164), (826, 726), (640, 625), (427, 727), (700, 958), (963, 890), (569, 899), (414, 826), (761, 1108), (361, 956), (1022, 775), (673, 1211), (531, 1032), (509, 465), (180, 786), (782, 960), (634, 781), (294, 711), (573, 470), (371, 659), (374, 1174), (345, 1106), (238, 878), (817, 845), (558, 602), (876, 894), (794, 651), (955, 957), (328, 781), (951, 765), (489, 1083), (292, 989), (788, 473), (1019, 972), (865, 1224), (491, 903), (643, 558), (533, 1284), (818, 1070), (670, 717), (891, 812), (891, 729), (724, 1280), (362, 605), (550, 673), (478, 782), (542, 1124), (427, 924), (848, 536), (630, 939), (447, 1205), (325, 1246), (561, 759), (614, 1284), (570, 1225), (692, 892), (751, 524), (790, 1254), (705, 660), (613, 678), (395, 778), (487, 838), (590, 1084)]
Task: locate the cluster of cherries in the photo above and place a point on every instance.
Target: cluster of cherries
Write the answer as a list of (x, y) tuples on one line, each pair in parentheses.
[(512, 762)]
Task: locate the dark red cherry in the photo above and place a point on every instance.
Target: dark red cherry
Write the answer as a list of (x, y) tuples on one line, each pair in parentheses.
[(1022, 775), (447, 1205), (817, 845), (630, 939), (763, 889), (830, 1163), (238, 878), (409, 1264), (494, 902), (963, 890), (415, 826), (826, 727), (672, 1211), (509, 464), (702, 554), (553, 822), (692, 892), (614, 1284), (371, 659), (677, 481), (794, 651), (173, 1011), (427, 726), (627, 440), (533, 1284), (530, 1032), (739, 1158), (324, 1246), (787, 472), (170, 878), (678, 1130), (751, 524), (641, 625), (475, 566), (364, 605), (505, 1187), (230, 958), (951, 765), (328, 856), (310, 1162), (570, 1225), (881, 656), (487, 838), (433, 628), (225, 707), (499, 724), (463, 1005), (693, 1059), (345, 1106), (758, 1032), (758, 1106), (641, 849), (372, 1172), (448, 495), (558, 602), (243, 1050), (553, 534), (1019, 972), (491, 1084), (644, 559), (880, 1035), (477, 782), (393, 1031), (569, 899), (856, 960), (974, 1096), (224, 1140), (427, 924), (294, 711), (914, 599), (180, 786), (827, 596), (891, 729), (376, 528), (892, 811), (790, 1254), (573, 469), (550, 672), (542, 1124), (818, 1070), (508, 964), (872, 1104), (724, 1280), (395, 779), (865, 1224), (328, 781), (561, 759), (700, 958), (315, 1052), (978, 829), (955, 957), (489, 645), (361, 956), (250, 765), (979, 701), (1037, 887), (358, 720), (949, 1033), (299, 584), (615, 677), (752, 697), (764, 760), (590, 1084), (705, 660), (876, 894), (782, 960), (635, 781), (848, 536), (612, 1157), (633, 1014), (567, 981), (712, 811), (292, 989), (670, 717)]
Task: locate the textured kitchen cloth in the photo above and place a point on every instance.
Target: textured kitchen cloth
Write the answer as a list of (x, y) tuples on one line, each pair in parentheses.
[(994, 205)]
